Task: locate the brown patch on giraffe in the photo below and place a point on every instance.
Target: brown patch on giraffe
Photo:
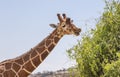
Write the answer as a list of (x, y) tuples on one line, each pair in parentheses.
[(16, 67), (48, 42), (9, 73), (1, 75), (19, 61), (33, 54), (28, 66), (26, 57), (42, 43), (56, 39), (51, 47), (36, 61), (8, 66), (23, 73), (51, 36), (1, 69), (40, 49), (44, 55)]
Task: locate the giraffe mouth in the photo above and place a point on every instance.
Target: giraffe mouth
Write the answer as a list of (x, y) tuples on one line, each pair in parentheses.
[(77, 32)]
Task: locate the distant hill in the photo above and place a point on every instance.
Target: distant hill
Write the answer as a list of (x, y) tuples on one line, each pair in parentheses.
[(59, 73)]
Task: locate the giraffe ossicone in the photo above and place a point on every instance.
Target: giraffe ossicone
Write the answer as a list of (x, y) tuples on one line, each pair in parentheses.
[(24, 65)]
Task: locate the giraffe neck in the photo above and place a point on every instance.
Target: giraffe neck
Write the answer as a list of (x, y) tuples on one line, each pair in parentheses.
[(25, 64)]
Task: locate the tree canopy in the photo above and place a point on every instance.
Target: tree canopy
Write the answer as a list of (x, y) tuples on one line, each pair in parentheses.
[(98, 53)]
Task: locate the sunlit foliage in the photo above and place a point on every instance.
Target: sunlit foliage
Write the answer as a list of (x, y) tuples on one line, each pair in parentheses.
[(98, 53)]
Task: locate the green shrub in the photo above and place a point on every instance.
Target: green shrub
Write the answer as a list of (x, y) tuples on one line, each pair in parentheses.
[(97, 54)]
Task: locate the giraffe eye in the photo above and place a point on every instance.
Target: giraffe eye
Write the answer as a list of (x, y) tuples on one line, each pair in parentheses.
[(63, 25)]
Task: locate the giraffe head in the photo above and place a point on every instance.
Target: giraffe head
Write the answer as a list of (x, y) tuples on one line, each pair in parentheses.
[(66, 26)]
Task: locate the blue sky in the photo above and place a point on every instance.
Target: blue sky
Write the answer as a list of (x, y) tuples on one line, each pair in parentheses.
[(24, 23)]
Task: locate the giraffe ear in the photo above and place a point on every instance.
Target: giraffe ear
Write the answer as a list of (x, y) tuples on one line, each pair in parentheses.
[(53, 25)]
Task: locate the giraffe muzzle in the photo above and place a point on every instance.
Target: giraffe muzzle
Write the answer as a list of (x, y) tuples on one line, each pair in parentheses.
[(77, 32)]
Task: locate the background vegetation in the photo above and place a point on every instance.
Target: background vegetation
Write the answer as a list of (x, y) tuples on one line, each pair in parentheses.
[(98, 53)]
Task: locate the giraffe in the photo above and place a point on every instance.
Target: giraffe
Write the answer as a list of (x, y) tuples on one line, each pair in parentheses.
[(24, 65)]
